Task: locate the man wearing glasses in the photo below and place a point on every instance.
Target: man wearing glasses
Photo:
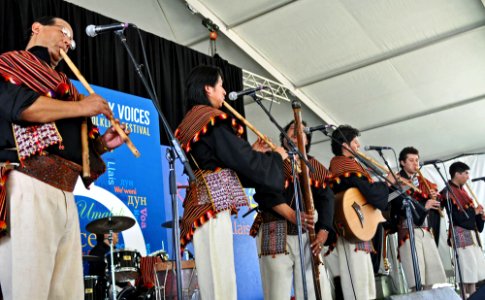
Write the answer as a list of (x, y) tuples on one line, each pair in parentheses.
[(40, 158)]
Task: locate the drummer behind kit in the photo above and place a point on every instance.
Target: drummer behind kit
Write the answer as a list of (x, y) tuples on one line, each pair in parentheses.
[(154, 275)]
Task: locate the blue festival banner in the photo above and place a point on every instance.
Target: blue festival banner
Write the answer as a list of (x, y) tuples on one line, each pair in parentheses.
[(130, 186)]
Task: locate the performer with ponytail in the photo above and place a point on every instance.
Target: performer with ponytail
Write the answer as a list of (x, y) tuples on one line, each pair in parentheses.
[(221, 161)]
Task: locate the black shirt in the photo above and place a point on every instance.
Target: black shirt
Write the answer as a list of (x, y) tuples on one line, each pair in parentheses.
[(473, 222), (419, 213), (220, 147)]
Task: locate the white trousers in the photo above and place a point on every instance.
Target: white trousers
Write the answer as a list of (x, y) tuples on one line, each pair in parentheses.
[(430, 266), (214, 258), (472, 262), (41, 257), (279, 273), (355, 270)]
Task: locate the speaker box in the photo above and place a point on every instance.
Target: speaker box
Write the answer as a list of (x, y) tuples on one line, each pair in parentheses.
[(434, 294)]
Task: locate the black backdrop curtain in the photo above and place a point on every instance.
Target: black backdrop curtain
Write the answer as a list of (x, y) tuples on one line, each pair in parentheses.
[(103, 60)]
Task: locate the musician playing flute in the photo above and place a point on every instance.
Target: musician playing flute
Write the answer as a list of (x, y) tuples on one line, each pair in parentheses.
[(426, 224), (352, 261), (221, 161), (40, 126), (468, 245), (277, 235)]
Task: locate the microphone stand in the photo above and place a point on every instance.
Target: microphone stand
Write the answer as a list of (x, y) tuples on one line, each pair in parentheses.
[(452, 226), (409, 221), (409, 206), (112, 265), (174, 152), (298, 204)]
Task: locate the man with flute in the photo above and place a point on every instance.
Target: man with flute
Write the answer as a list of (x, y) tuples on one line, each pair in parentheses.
[(468, 245), (40, 126), (277, 235), (222, 163), (426, 225)]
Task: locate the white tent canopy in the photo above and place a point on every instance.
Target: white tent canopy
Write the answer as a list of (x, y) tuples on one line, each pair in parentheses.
[(405, 72)]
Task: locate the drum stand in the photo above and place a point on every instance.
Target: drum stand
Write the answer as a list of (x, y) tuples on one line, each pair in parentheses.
[(112, 264), (158, 287)]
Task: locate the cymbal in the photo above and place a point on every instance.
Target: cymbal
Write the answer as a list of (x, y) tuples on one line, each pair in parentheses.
[(115, 223), (169, 224), (92, 258)]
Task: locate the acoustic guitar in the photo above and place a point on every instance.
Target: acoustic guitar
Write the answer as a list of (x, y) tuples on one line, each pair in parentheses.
[(356, 219)]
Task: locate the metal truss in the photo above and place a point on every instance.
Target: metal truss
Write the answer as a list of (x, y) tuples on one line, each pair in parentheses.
[(275, 92)]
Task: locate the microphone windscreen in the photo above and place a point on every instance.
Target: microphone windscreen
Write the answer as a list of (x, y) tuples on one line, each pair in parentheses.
[(91, 30)]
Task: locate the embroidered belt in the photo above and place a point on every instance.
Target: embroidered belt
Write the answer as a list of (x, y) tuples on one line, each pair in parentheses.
[(464, 237), (273, 238), (222, 189), (53, 170), (274, 232)]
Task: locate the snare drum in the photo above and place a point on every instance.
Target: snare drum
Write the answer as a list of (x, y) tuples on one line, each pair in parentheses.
[(126, 264), (94, 288)]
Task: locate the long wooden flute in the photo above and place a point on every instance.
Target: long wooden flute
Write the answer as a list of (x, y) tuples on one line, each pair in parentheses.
[(115, 125)]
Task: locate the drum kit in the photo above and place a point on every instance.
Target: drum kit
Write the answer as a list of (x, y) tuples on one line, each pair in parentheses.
[(153, 276)]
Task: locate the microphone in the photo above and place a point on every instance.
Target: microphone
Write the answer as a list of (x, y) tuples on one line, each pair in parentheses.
[(234, 95), (94, 30), (479, 178), (324, 128), (367, 148), (431, 161)]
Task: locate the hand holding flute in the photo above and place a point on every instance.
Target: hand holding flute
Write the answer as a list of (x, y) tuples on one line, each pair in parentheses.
[(261, 138), (93, 105), (261, 146)]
